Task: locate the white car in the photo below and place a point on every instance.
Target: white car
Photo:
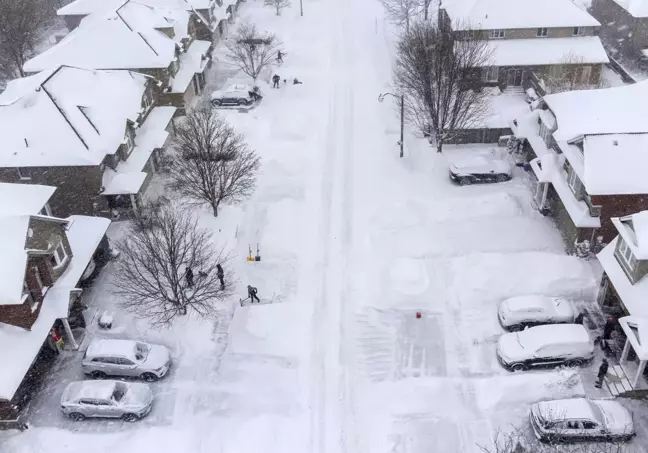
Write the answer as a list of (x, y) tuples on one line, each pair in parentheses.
[(517, 313), (581, 419), (480, 169), (238, 94), (126, 358), (106, 399), (545, 346)]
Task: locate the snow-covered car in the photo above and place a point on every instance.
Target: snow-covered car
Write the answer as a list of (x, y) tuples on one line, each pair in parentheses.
[(127, 358), (581, 419), (545, 346), (517, 313), (480, 169), (129, 401), (238, 94)]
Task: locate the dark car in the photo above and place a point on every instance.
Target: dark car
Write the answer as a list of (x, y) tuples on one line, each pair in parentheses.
[(240, 94), (480, 169)]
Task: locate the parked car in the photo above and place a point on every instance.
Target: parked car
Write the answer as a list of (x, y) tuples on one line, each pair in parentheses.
[(581, 419), (238, 94), (544, 346), (126, 358), (517, 313), (106, 399), (480, 169)]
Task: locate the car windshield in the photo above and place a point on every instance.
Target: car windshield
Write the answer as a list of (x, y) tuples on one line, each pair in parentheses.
[(141, 351), (118, 392)]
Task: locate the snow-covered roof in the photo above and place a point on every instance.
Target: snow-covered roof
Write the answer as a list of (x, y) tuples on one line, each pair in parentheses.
[(633, 296), (636, 8), (108, 41), (554, 334), (640, 228), (635, 236), (636, 330), (604, 111), (128, 177), (110, 346), (191, 62), (23, 199), (73, 117), (506, 14), (573, 408), (87, 7), (13, 231), (90, 389), (615, 164), (547, 51)]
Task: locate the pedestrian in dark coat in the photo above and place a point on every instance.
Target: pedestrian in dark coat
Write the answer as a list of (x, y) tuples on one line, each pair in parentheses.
[(221, 275), (279, 56), (275, 81), (608, 328), (579, 318), (252, 294), (189, 277), (602, 372)]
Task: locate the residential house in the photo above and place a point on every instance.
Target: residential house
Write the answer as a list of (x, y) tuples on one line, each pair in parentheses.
[(530, 43), (93, 134), (624, 289), (591, 158), (42, 261), (158, 42), (625, 24)]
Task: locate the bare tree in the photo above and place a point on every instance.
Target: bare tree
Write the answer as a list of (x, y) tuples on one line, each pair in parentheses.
[(251, 52), (571, 74), (433, 71), (426, 8), (21, 24), (214, 163), (402, 12), (279, 5), (151, 273)]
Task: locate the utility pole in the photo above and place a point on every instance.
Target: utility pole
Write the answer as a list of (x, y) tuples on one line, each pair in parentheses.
[(301, 8), (401, 98)]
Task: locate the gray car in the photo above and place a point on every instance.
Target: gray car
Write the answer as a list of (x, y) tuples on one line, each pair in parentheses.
[(126, 358), (129, 401)]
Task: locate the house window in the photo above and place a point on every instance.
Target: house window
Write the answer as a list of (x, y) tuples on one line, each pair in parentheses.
[(23, 173), (148, 99), (572, 180), (490, 74), (59, 257), (130, 141), (497, 33), (37, 277), (577, 31), (541, 32), (625, 254), (46, 210)]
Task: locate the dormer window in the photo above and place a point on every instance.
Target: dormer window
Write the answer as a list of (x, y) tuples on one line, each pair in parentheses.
[(46, 210), (542, 32), (496, 33), (577, 31), (626, 256), (59, 257)]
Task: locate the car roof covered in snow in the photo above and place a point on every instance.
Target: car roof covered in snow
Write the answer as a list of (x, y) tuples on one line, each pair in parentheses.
[(99, 389), (572, 408), (506, 14), (554, 334), (111, 347), (481, 163), (530, 303)]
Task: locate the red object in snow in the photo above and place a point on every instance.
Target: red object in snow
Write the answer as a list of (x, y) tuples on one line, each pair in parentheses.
[(418, 315)]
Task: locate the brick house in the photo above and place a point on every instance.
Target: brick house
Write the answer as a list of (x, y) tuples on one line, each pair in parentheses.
[(93, 134), (43, 260), (625, 24), (590, 165), (532, 44), (158, 42)]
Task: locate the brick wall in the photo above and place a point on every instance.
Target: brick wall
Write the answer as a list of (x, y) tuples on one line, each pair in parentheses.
[(617, 206)]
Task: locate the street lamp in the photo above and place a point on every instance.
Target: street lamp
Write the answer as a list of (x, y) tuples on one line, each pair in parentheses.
[(401, 98)]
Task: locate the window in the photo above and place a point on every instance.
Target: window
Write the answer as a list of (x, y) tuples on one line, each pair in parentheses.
[(123, 361), (587, 424), (497, 33), (23, 173), (572, 180), (148, 99), (582, 75), (27, 296), (46, 210), (626, 256), (577, 31), (541, 32), (130, 141), (490, 74), (59, 256)]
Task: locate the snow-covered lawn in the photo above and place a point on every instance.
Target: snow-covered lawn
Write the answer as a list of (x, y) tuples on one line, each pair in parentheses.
[(357, 241)]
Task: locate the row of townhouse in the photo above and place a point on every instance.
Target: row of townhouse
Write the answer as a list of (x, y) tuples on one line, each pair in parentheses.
[(82, 136)]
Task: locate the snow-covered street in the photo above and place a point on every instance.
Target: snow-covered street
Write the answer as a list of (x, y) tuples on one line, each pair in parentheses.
[(356, 241)]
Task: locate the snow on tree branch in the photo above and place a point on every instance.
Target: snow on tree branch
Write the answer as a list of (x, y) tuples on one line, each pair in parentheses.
[(279, 4), (151, 273), (251, 51)]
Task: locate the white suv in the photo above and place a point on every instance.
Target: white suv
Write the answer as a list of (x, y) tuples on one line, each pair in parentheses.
[(126, 358)]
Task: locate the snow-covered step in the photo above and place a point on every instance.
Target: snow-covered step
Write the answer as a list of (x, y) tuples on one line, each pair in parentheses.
[(617, 381)]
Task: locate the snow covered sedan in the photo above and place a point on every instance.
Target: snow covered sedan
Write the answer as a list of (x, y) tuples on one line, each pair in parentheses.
[(239, 94), (106, 399), (581, 419), (480, 169), (545, 346), (127, 358), (517, 313)]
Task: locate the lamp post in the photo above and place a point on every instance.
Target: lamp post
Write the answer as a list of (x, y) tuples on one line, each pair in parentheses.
[(301, 7), (401, 98)]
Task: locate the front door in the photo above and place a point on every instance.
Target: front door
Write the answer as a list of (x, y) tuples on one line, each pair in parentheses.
[(514, 77)]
